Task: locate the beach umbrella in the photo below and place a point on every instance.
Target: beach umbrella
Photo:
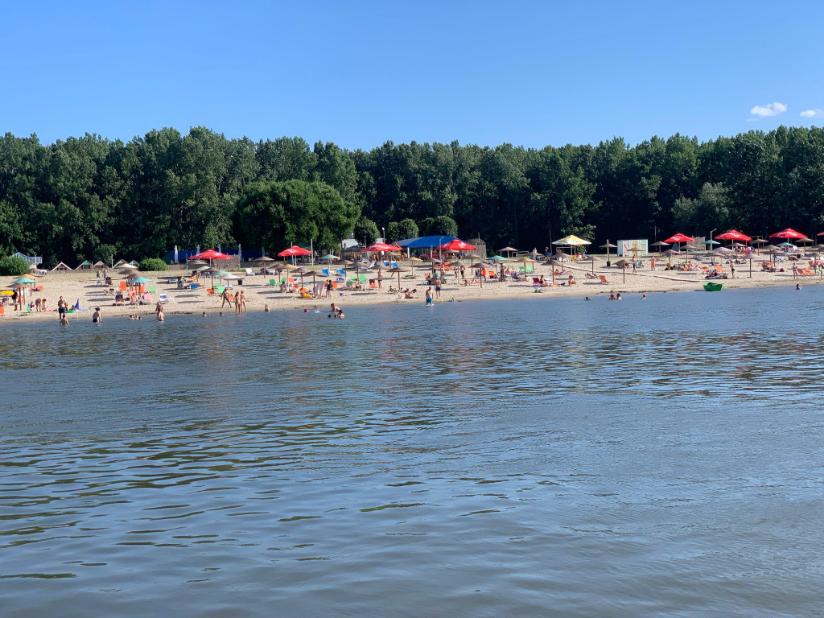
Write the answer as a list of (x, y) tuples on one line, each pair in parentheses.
[(25, 280), (263, 259), (571, 241), (660, 244), (678, 238), (294, 251), (733, 235), (308, 273), (608, 245), (789, 234), (457, 245), (382, 247), (211, 254), (330, 257), (398, 270), (508, 250), (498, 259)]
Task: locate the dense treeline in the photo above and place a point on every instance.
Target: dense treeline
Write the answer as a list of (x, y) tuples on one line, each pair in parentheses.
[(93, 198)]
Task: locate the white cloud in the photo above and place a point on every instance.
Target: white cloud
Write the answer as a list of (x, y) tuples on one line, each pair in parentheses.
[(768, 110), (812, 113)]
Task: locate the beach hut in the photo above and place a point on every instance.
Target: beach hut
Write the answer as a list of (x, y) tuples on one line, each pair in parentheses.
[(61, 267), (99, 265), (84, 265)]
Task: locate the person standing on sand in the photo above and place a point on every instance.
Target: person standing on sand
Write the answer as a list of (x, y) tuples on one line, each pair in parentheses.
[(437, 288), (61, 308)]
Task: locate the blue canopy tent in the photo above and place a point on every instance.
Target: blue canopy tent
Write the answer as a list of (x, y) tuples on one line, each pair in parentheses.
[(425, 242)]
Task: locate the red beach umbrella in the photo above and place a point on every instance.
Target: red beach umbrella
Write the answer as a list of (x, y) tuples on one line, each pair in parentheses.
[(734, 235), (457, 245), (211, 254), (382, 247), (678, 238), (294, 251), (789, 234)]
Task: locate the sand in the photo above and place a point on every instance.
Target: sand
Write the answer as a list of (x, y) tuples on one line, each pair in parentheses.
[(83, 286)]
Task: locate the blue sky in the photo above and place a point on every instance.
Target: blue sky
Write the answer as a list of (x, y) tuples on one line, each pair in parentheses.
[(361, 73)]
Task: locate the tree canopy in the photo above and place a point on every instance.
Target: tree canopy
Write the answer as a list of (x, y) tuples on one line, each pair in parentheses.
[(89, 197)]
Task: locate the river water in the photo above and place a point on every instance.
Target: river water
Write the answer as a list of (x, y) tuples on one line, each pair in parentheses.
[(536, 457)]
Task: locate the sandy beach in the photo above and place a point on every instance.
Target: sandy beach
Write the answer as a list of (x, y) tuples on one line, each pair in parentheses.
[(83, 286)]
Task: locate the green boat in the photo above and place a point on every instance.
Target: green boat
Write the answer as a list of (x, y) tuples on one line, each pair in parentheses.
[(711, 286)]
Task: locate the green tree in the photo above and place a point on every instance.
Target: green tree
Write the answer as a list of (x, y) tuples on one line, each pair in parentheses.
[(399, 230), (710, 209), (366, 231), (276, 214), (439, 226), (13, 265)]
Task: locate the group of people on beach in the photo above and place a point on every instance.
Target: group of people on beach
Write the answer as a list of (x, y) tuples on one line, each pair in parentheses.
[(237, 300)]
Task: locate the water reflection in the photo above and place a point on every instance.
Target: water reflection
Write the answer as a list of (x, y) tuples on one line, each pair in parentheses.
[(491, 457)]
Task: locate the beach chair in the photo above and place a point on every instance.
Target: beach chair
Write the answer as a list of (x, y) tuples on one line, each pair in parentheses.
[(324, 272), (163, 299), (603, 279), (249, 272)]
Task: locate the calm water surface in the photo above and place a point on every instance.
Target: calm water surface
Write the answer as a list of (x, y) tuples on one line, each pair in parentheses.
[(491, 458)]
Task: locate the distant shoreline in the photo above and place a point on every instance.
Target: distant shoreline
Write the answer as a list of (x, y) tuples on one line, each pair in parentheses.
[(82, 286)]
